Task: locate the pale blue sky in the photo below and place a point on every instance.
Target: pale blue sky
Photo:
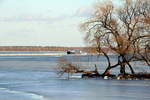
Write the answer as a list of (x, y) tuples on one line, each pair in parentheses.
[(43, 22)]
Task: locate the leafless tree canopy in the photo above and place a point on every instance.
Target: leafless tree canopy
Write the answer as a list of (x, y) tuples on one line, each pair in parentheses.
[(124, 30)]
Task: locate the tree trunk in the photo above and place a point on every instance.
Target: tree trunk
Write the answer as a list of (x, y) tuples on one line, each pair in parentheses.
[(122, 67), (108, 68), (131, 69), (127, 62)]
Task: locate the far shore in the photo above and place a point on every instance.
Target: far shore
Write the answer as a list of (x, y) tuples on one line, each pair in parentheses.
[(32, 51)]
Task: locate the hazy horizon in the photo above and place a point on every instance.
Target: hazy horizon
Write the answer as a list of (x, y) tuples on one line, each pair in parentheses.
[(43, 22)]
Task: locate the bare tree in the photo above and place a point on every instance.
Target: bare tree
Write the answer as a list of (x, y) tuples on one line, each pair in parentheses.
[(64, 66), (125, 31)]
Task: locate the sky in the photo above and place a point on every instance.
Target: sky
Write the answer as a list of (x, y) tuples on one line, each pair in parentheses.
[(43, 22)]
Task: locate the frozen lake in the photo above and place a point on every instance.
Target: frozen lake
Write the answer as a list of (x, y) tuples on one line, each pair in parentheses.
[(32, 77)]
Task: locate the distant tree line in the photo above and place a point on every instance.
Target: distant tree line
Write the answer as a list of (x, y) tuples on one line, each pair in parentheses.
[(40, 48)]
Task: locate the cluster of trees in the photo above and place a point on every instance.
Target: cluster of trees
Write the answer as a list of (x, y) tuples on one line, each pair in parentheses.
[(124, 29)]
